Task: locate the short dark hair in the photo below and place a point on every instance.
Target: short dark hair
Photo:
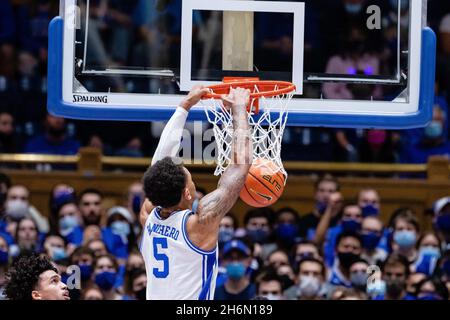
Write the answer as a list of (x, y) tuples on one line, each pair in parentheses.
[(409, 216), (108, 256), (289, 210), (164, 183), (258, 213), (323, 272), (440, 287), (90, 190), (235, 220), (269, 275), (396, 259), (347, 234), (80, 251), (24, 276)]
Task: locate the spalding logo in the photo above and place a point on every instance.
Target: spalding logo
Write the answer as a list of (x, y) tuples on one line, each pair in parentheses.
[(97, 99)]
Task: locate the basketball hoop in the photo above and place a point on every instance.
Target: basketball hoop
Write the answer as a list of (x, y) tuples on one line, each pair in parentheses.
[(267, 115)]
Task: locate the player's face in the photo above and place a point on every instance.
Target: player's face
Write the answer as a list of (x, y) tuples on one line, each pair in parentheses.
[(190, 195), (50, 287)]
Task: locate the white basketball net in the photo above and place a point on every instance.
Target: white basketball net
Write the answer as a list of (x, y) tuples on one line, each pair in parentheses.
[(267, 129)]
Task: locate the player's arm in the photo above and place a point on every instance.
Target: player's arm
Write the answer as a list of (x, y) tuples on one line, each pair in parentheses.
[(146, 208), (213, 207), (170, 140)]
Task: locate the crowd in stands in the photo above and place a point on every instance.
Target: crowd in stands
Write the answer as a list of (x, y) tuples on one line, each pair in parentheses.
[(340, 250), (147, 32)]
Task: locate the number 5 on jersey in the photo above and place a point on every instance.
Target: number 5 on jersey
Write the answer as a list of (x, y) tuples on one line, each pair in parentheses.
[(160, 243)]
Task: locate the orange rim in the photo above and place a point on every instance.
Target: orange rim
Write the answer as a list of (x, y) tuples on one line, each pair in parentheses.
[(265, 88)]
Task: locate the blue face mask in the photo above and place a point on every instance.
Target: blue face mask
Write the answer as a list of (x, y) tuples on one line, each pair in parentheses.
[(405, 239), (58, 253), (236, 270), (105, 280), (225, 234), (353, 8), (4, 257), (433, 297), (443, 223), (258, 235), (286, 233), (430, 251), (321, 207), (67, 224), (136, 203), (120, 228), (85, 271), (370, 240), (434, 130), (350, 225), (370, 210), (378, 288)]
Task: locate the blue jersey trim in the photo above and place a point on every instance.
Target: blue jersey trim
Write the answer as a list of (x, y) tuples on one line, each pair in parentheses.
[(155, 211), (206, 286), (186, 238)]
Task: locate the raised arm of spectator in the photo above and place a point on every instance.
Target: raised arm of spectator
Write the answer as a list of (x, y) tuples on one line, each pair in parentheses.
[(332, 210)]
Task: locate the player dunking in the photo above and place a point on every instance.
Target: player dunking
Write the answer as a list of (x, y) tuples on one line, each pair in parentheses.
[(180, 247)]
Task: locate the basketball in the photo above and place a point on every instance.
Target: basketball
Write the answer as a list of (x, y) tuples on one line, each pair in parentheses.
[(264, 184)]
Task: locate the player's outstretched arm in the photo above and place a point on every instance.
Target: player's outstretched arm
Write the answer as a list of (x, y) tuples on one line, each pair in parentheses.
[(213, 207), (170, 140)]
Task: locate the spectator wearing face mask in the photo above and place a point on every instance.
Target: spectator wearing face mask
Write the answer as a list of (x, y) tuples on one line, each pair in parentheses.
[(350, 221), (134, 199), (227, 228), (405, 234), (60, 194), (90, 205), (68, 224), (286, 228), (310, 281), (433, 142), (395, 270), (257, 228), (18, 206), (269, 285), (84, 258), (323, 189), (369, 201), (135, 285), (118, 234), (431, 289), (371, 237), (348, 251), (4, 264), (55, 139), (236, 259), (55, 248), (358, 275), (105, 276), (429, 253), (441, 211)]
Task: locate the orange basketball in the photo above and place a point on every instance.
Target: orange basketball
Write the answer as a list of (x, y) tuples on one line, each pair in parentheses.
[(264, 185)]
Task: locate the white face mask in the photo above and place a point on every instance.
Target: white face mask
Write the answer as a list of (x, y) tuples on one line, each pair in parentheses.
[(309, 286), (16, 209), (272, 296)]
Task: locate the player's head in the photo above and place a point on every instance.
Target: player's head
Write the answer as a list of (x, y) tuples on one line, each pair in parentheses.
[(168, 184), (33, 277)]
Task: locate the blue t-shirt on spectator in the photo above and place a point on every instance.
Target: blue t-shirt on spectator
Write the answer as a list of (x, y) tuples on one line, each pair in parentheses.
[(42, 145), (115, 244), (247, 294)]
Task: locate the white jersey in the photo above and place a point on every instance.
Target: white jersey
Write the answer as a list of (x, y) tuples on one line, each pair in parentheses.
[(176, 268)]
